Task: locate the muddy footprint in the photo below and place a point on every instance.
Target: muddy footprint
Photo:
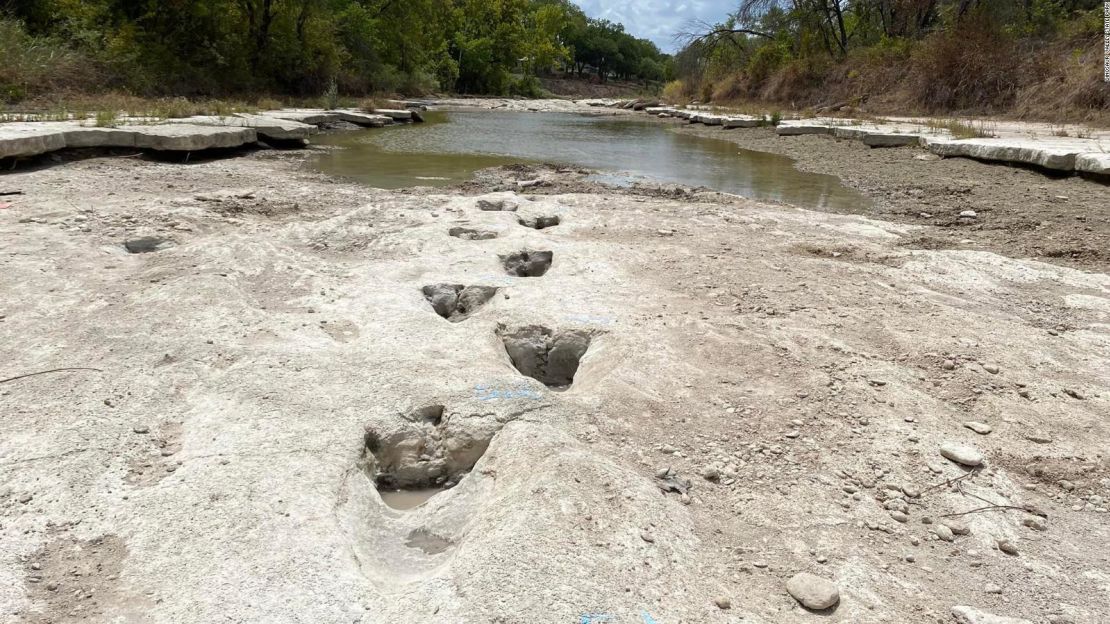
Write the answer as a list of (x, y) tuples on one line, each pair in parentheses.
[(527, 263)]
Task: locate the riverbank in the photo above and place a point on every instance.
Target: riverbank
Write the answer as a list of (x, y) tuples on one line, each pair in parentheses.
[(1019, 212), (761, 390)]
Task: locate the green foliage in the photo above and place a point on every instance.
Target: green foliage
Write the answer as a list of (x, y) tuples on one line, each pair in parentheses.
[(106, 119), (204, 48), (938, 54)]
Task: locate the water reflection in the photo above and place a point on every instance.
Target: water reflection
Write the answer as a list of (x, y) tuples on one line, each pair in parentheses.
[(452, 146)]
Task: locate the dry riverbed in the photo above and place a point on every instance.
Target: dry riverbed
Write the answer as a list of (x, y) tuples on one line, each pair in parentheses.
[(758, 391), (1018, 212)]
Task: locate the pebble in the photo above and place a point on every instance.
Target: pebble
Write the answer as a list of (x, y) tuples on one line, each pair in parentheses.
[(991, 368), (1037, 524), (961, 454), (141, 429), (723, 603), (1007, 547), (26, 498), (943, 532), (1039, 437), (813, 591), (948, 365), (899, 516), (991, 588), (968, 615), (647, 537), (978, 427), (957, 527), (968, 214)]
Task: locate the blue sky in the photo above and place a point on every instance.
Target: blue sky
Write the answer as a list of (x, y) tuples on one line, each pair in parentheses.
[(658, 20)]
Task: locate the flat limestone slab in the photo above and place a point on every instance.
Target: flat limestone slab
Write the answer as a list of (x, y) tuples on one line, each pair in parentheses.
[(799, 128), (179, 137), (743, 121), (395, 114), (313, 116), (1096, 162), (267, 126), (1041, 153), (890, 139), (29, 138), (33, 138), (370, 120)]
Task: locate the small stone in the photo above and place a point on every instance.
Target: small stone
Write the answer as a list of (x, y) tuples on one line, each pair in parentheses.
[(900, 516), (1007, 547), (968, 214), (948, 365), (141, 429), (943, 532), (967, 615), (978, 427), (813, 591), (957, 527), (1037, 524), (147, 244), (647, 537), (26, 498), (1039, 437), (911, 490), (991, 368), (711, 474), (723, 603), (961, 454), (991, 588)]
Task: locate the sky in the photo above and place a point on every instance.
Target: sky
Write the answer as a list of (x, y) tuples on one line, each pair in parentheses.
[(658, 20)]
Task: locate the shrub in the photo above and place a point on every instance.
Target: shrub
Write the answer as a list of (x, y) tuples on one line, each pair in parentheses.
[(106, 119), (973, 65), (675, 91), (32, 65), (526, 86)]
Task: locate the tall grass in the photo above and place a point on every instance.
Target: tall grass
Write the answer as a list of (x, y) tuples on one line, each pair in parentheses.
[(32, 65)]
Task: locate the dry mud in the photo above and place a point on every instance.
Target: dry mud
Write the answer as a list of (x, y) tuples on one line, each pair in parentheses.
[(756, 391), (1019, 211)]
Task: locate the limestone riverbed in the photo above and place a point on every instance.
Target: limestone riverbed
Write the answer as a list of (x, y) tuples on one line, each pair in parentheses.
[(664, 405)]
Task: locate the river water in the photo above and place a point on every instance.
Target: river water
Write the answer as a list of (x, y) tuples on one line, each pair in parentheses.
[(451, 146)]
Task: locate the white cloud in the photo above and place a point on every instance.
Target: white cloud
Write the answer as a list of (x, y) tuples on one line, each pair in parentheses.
[(658, 20)]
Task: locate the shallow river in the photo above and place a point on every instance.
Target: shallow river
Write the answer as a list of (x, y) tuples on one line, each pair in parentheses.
[(451, 146)]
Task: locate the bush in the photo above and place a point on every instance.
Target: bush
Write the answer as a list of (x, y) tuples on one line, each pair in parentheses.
[(973, 65), (33, 65), (526, 86), (675, 92)]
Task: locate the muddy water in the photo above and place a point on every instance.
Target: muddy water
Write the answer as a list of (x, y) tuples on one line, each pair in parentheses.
[(407, 499), (452, 146)]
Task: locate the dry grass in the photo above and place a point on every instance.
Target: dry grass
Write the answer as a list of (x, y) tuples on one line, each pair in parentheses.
[(961, 129), (974, 69), (120, 106)]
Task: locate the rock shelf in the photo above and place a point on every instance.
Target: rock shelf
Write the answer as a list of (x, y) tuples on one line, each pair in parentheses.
[(24, 139), (1037, 145)]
